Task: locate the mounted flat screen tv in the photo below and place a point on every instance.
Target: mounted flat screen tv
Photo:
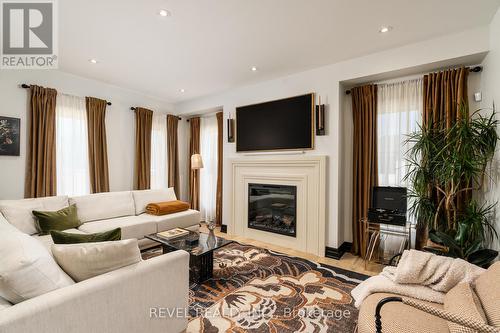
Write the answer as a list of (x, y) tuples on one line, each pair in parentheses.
[(284, 124)]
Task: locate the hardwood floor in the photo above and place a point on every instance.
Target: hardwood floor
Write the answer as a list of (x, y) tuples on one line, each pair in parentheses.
[(348, 261)]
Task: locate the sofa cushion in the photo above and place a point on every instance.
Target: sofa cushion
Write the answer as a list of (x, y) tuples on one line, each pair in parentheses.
[(4, 304), (102, 206), (132, 226), (19, 212), (146, 243), (488, 292), (6, 226), (27, 269), (48, 203), (183, 219), (462, 300), (144, 197), (398, 317), (21, 216), (86, 260), (46, 240)]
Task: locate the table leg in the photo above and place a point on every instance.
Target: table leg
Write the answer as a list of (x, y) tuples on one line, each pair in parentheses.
[(373, 241), (167, 249), (376, 235), (201, 267)]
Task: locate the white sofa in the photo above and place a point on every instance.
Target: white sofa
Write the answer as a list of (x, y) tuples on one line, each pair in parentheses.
[(119, 301), (115, 302), (104, 211)]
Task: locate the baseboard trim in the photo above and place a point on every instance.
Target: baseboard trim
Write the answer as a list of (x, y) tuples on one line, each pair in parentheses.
[(223, 228), (334, 253)]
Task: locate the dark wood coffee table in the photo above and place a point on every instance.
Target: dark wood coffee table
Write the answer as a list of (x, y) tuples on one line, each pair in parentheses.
[(201, 254)]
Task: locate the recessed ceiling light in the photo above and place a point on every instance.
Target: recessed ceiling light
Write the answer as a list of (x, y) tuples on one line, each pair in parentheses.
[(254, 69), (93, 61), (385, 29), (164, 12), (182, 90)]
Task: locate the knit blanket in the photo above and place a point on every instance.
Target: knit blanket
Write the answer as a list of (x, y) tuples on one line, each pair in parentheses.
[(420, 275), (167, 207)]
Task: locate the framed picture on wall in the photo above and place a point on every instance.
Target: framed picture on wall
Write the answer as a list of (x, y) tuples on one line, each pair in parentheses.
[(10, 133)]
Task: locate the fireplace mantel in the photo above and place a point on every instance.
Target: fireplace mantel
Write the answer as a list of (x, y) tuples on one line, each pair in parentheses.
[(308, 174)]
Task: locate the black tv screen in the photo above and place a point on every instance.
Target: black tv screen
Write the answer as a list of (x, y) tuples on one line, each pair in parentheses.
[(282, 124)]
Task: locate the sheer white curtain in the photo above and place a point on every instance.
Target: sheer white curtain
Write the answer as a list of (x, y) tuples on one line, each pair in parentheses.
[(159, 178), (72, 158), (208, 175), (399, 109)]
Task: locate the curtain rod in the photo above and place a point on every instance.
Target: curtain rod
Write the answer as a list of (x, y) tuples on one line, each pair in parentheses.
[(27, 86), (205, 115), (475, 69), (133, 108)]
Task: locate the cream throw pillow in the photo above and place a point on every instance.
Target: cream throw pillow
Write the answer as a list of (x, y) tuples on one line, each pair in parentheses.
[(26, 267), (462, 300), (486, 288), (85, 260), (20, 215)]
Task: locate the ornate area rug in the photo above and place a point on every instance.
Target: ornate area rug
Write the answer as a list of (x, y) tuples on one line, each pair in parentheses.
[(258, 290)]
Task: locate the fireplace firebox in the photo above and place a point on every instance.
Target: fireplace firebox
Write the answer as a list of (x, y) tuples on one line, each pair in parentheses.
[(273, 208)]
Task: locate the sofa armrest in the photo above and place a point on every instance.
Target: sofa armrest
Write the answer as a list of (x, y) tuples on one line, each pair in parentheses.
[(126, 300), (443, 314)]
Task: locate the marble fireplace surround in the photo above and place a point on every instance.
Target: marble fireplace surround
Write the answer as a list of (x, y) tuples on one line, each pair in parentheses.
[(308, 174)]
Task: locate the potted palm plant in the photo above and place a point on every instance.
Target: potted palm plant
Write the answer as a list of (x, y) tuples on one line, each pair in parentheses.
[(447, 170)]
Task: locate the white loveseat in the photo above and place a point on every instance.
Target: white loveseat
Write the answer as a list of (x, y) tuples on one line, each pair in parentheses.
[(119, 301), (102, 212)]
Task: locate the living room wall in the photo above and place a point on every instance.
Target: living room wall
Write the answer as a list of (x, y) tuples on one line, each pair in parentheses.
[(119, 123), (490, 86), (327, 82)]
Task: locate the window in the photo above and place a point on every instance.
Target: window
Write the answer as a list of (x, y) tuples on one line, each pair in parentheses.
[(399, 111), (72, 158), (208, 174), (159, 169)]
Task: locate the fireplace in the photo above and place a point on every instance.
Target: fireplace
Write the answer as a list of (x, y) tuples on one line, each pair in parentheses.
[(273, 208)]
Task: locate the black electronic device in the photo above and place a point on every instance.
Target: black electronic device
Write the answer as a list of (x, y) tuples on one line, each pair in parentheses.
[(276, 125), (389, 205)]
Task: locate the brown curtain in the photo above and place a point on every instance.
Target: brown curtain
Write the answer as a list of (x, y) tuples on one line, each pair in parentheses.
[(143, 128), (364, 109), (444, 92), (220, 141), (173, 153), (41, 155), (194, 175), (98, 148)]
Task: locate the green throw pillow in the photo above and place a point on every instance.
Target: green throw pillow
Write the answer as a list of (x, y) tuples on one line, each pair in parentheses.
[(60, 237), (62, 219)]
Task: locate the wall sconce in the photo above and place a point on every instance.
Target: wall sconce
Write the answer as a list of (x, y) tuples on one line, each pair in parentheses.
[(320, 118), (230, 129)]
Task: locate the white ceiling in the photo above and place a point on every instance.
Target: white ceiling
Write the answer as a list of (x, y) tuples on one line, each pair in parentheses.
[(208, 46)]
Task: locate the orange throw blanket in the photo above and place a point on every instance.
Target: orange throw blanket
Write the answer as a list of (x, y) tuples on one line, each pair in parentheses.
[(168, 207)]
